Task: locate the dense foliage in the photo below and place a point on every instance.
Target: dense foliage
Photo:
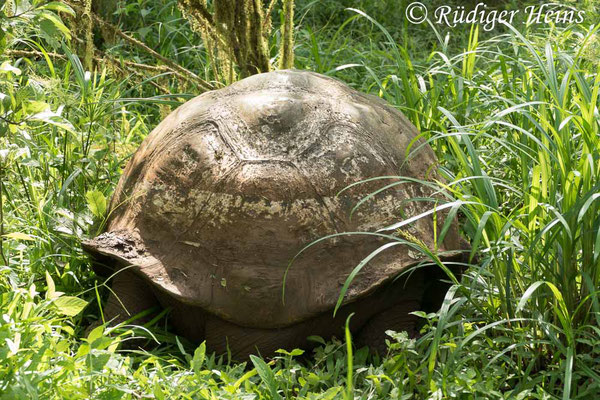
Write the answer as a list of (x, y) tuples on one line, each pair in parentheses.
[(513, 117)]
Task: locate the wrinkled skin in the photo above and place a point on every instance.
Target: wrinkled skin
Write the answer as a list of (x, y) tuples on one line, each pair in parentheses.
[(227, 190)]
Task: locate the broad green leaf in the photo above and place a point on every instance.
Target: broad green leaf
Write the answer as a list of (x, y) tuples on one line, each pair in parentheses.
[(50, 29), (96, 202), (54, 118), (51, 291), (34, 106), (70, 305), (331, 393), (293, 353), (267, 376), (96, 333), (199, 356), (158, 392), (58, 6), (19, 236), (244, 378), (58, 24)]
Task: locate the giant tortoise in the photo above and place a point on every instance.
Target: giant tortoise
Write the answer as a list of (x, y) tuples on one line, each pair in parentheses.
[(224, 193)]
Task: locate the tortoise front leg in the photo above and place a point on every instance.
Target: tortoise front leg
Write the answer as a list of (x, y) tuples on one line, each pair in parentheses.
[(130, 296), (397, 317)]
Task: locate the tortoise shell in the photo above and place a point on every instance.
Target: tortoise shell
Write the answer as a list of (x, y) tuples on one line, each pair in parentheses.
[(225, 192)]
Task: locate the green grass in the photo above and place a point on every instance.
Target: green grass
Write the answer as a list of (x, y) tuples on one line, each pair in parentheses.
[(513, 118)]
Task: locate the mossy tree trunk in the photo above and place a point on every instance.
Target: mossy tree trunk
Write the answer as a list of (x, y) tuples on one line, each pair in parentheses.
[(286, 59), (236, 34), (82, 26)]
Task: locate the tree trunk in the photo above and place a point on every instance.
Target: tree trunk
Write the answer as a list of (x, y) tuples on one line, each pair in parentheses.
[(286, 59), (236, 35)]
